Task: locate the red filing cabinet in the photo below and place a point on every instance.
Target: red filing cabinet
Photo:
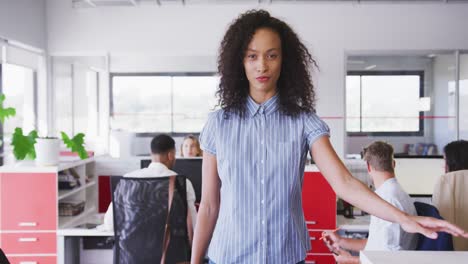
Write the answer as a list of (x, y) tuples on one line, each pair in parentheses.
[(28, 217), (319, 205), (29, 208)]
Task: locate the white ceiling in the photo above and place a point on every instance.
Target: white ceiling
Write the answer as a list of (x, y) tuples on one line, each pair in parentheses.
[(104, 3)]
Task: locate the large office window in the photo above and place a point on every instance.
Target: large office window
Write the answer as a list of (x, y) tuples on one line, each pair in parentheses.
[(18, 83), (76, 90), (171, 103), (384, 103)]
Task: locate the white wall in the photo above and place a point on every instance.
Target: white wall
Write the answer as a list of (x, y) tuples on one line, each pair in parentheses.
[(154, 35), (24, 21)]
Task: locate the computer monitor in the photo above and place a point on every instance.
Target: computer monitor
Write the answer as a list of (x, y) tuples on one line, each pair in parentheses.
[(189, 167), (418, 175)]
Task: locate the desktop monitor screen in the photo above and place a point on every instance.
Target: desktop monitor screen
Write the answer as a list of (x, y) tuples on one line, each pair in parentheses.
[(189, 167), (418, 176)]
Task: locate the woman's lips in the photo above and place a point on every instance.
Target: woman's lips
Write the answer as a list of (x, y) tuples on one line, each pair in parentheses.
[(262, 78)]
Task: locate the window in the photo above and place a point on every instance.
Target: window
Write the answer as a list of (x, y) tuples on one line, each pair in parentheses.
[(384, 103), (170, 103), (76, 92), (19, 86)]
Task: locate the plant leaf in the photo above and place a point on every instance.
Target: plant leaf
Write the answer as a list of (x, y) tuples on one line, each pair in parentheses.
[(23, 146), (5, 112), (75, 144)]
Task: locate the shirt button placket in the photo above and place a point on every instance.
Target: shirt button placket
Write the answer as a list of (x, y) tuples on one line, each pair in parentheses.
[(263, 169)]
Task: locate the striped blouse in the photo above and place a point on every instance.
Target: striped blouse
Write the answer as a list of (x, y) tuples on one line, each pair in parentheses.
[(261, 159)]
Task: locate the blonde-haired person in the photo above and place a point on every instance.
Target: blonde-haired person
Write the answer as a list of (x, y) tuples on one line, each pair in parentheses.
[(383, 235), (190, 147)]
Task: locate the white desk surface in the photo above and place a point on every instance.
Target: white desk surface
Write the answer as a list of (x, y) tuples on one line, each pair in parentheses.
[(83, 232), (413, 257), (358, 224)]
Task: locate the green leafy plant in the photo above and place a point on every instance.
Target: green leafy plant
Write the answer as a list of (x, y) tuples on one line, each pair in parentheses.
[(76, 144), (23, 145), (5, 112)]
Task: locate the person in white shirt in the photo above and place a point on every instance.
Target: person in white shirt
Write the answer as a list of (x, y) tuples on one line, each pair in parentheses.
[(163, 156), (383, 235)]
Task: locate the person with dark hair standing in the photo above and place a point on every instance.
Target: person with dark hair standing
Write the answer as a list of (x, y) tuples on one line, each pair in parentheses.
[(163, 157), (383, 235), (255, 148), (451, 189)]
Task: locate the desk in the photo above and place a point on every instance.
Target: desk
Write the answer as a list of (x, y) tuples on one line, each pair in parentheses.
[(69, 249), (414, 257), (357, 224)]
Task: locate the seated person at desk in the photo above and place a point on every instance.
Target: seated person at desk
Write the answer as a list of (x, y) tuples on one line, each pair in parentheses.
[(383, 235), (190, 147), (451, 189), (163, 159)]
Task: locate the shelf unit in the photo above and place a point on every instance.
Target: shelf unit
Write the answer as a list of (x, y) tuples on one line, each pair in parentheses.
[(29, 208)]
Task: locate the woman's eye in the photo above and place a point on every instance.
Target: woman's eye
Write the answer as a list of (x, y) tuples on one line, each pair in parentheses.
[(251, 56), (273, 56)]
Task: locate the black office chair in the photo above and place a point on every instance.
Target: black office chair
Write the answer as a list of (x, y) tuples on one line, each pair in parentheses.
[(141, 217), (444, 240)]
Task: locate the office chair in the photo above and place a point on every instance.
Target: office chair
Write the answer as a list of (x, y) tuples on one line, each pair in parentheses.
[(443, 242), (451, 198), (150, 221)]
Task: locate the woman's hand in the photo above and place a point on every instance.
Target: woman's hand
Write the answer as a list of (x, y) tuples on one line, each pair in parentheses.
[(429, 226), (344, 257), (331, 238)]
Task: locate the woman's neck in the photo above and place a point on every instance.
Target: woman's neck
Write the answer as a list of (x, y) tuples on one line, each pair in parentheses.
[(261, 97)]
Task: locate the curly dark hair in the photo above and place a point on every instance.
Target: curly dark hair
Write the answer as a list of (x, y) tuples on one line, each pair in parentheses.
[(295, 87), (456, 155)]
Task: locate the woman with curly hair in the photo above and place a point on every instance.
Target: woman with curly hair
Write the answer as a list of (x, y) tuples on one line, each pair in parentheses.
[(255, 147)]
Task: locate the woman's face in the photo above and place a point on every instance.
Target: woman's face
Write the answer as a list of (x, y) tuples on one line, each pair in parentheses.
[(189, 148), (262, 61)]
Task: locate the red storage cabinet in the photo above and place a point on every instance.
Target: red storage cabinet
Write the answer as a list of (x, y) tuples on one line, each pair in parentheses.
[(28, 217), (33, 260), (319, 205), (28, 201)]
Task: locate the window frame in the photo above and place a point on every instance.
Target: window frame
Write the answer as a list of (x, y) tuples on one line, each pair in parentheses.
[(361, 133), (156, 74), (35, 108)]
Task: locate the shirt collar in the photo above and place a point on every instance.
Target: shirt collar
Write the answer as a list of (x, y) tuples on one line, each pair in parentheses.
[(386, 184), (161, 169), (268, 107)]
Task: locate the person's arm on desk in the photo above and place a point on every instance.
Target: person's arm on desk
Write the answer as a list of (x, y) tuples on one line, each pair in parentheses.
[(344, 257), (356, 193), (336, 241), (209, 208)]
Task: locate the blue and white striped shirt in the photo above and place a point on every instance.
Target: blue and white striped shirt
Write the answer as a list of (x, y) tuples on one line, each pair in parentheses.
[(261, 160)]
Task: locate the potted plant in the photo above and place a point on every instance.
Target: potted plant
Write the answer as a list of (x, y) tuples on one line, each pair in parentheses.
[(45, 150)]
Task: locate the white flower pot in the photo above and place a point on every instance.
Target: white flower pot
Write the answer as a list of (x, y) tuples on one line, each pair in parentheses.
[(47, 151)]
